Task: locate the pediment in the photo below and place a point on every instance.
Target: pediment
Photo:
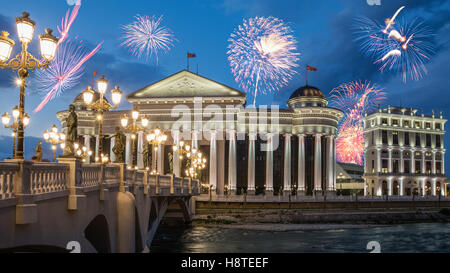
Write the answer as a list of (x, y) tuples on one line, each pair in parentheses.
[(185, 85)]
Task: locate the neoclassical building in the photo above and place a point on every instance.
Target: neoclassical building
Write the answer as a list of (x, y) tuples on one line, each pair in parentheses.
[(258, 151), (404, 153)]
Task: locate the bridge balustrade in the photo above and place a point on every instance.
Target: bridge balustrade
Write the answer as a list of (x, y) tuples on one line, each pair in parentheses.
[(7, 173)]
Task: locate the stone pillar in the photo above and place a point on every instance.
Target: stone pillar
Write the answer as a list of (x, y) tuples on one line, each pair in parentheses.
[(160, 162), (87, 144), (232, 167), (390, 160), (112, 155), (318, 164), (423, 187), (251, 164), (287, 164), (213, 162), (389, 180), (128, 159), (378, 160), (220, 190), (413, 162), (334, 163), (433, 164), (97, 144), (402, 186), (380, 187), (176, 156), (301, 165), (140, 151), (433, 187), (331, 159), (443, 163), (423, 162), (402, 162), (269, 166)]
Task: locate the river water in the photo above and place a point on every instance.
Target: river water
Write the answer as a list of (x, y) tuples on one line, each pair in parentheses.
[(410, 238)]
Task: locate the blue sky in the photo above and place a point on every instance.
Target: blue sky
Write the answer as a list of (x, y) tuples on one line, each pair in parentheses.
[(322, 28)]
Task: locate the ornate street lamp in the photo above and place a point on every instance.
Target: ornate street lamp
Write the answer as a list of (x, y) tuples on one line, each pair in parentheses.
[(134, 128), (101, 105), (197, 163), (156, 138), (6, 120), (55, 138), (23, 62), (82, 152)]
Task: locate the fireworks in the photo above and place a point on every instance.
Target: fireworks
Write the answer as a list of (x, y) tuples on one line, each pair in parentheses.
[(262, 54), (64, 72), (146, 36), (399, 46), (354, 99), (67, 21)]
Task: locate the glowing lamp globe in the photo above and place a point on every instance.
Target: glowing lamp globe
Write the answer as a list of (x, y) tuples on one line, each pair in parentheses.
[(124, 121), (116, 95), (46, 135), (135, 114), (48, 44), (6, 119), (6, 46), (102, 84), (145, 122), (26, 120), (25, 28), (16, 112), (88, 95)]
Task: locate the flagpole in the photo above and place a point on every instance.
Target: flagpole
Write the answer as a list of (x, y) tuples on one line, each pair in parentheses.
[(306, 75), (187, 55)]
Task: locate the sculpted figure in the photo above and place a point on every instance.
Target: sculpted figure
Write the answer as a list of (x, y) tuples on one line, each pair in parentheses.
[(147, 155), (119, 146), (72, 131), (39, 154)]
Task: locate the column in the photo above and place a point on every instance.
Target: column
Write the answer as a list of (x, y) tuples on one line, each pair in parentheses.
[(140, 151), (318, 164), (330, 163), (160, 162), (423, 162), (433, 164), (232, 167), (402, 163), (176, 156), (402, 187), (389, 180), (112, 155), (87, 144), (251, 163), (220, 190), (443, 163), (390, 160), (433, 187), (97, 143), (128, 150), (269, 165), (380, 187), (334, 164), (378, 160), (413, 162), (423, 187), (301, 165), (213, 162), (287, 164)]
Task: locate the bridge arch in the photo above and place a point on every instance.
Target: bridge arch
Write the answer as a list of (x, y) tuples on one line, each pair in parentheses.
[(97, 233)]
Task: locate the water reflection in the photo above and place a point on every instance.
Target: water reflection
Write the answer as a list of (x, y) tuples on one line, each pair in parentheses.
[(394, 239)]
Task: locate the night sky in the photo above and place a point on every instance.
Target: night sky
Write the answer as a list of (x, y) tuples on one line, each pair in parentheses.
[(323, 29)]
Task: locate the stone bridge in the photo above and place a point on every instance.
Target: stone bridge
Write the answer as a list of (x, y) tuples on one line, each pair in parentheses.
[(93, 207)]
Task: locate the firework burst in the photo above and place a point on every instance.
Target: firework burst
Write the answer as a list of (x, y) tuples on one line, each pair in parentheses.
[(64, 72), (146, 36), (262, 54), (355, 99), (399, 46)]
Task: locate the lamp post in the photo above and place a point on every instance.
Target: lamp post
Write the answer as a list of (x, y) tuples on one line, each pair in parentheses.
[(23, 62), (134, 128), (54, 137), (101, 105), (6, 120), (198, 163), (156, 138), (82, 152)]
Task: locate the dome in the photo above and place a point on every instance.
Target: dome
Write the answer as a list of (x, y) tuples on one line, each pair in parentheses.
[(307, 91)]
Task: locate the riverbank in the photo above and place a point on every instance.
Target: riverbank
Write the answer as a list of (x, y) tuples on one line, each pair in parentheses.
[(295, 220)]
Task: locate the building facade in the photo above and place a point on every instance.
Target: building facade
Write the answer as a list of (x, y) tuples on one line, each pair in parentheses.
[(267, 151), (404, 153), (349, 179)]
